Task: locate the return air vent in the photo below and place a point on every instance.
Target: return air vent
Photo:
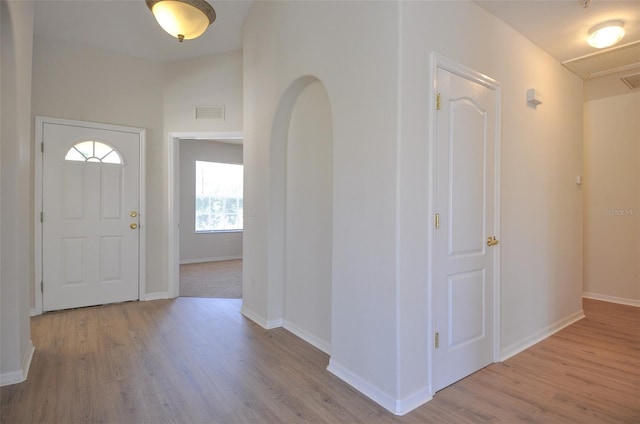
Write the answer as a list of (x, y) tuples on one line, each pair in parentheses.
[(616, 59), (210, 112), (632, 81)]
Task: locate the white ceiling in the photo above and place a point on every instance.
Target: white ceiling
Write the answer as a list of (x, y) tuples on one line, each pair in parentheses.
[(560, 27), (126, 26)]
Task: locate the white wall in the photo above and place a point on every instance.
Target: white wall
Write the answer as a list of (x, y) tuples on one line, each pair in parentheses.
[(74, 81), (309, 211), (202, 247), (206, 81), (286, 46), (612, 197), (378, 80), (16, 231), (608, 85), (541, 213)]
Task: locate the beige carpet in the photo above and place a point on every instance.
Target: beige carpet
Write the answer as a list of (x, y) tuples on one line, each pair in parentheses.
[(222, 279)]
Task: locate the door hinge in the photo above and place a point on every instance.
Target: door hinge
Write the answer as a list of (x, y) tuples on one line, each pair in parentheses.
[(42, 147), (42, 286), (437, 221), (41, 216), (437, 340), (438, 101)]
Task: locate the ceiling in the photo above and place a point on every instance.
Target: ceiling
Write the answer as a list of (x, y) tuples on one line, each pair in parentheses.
[(126, 26), (561, 27)]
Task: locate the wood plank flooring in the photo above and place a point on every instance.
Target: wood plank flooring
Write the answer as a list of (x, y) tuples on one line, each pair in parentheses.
[(193, 360)]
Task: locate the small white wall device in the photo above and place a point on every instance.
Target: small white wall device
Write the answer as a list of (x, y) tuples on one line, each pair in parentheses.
[(534, 98)]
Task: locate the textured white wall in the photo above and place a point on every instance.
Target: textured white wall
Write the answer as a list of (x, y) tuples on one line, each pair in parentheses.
[(309, 211), (16, 229), (196, 247), (285, 42), (612, 198), (377, 77), (541, 206), (74, 81), (206, 81)]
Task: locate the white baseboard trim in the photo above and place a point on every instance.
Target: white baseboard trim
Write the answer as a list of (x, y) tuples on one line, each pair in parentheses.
[(323, 345), (18, 376), (156, 296), (259, 319), (538, 336), (364, 387), (612, 299), (416, 400), (34, 312), (212, 259)]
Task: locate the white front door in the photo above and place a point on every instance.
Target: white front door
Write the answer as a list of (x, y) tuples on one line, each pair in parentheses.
[(466, 136), (90, 204)]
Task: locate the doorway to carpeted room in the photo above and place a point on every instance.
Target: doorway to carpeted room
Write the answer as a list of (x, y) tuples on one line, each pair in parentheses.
[(221, 279)]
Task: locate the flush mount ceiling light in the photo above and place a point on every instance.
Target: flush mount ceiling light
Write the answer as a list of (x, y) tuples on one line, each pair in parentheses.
[(183, 19), (606, 34)]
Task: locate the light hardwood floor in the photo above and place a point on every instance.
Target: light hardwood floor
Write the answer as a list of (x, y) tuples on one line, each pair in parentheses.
[(193, 360)]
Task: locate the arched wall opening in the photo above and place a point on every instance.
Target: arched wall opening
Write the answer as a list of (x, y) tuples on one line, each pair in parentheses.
[(301, 215)]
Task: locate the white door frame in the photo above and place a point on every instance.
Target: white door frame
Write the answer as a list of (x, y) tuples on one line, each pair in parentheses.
[(173, 254), (439, 61), (37, 148)]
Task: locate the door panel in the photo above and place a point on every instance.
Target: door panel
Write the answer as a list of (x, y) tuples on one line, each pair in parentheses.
[(466, 314), (465, 190), (90, 252), (467, 147), (111, 193), (73, 256), (111, 255)]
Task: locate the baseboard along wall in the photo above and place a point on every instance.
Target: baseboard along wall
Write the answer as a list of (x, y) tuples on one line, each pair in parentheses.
[(211, 259), (540, 335), (612, 299), (18, 376)]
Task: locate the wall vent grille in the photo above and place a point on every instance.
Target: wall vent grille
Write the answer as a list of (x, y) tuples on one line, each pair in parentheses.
[(210, 112), (632, 81)]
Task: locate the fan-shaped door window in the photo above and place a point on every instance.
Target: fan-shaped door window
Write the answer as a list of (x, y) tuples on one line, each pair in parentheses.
[(93, 151)]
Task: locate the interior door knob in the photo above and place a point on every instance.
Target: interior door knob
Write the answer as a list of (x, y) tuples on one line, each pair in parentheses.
[(133, 226), (492, 241)]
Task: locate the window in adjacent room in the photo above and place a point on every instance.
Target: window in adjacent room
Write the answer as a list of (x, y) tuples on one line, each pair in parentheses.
[(218, 196)]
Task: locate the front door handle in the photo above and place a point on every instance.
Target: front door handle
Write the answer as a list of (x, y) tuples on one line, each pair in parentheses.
[(492, 241)]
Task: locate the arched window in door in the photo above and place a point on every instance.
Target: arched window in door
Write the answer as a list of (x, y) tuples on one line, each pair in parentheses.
[(93, 151)]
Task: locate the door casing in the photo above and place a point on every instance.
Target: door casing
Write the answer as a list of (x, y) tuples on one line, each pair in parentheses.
[(439, 61), (173, 222), (38, 192)]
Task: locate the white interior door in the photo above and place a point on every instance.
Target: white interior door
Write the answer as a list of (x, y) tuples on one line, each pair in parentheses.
[(90, 203), (464, 261)]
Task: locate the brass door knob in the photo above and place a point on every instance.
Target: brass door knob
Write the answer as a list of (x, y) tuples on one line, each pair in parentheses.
[(492, 241), (133, 214), (133, 226)]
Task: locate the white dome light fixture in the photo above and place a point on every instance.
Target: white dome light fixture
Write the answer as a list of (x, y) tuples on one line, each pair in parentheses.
[(606, 34), (183, 19)]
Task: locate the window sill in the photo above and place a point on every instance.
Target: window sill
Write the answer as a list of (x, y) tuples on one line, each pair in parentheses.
[(219, 231)]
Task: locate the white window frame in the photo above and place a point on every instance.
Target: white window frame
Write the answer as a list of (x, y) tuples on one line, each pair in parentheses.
[(198, 187)]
